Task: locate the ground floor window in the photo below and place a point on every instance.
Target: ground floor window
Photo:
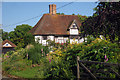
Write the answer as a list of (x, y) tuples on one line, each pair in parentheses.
[(44, 37)]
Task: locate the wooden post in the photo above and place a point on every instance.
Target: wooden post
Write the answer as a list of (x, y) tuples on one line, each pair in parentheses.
[(78, 70), (88, 71)]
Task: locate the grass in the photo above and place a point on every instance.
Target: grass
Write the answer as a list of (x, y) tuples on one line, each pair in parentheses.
[(30, 72), (21, 70)]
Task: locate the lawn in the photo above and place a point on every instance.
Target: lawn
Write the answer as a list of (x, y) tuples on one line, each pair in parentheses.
[(29, 72)]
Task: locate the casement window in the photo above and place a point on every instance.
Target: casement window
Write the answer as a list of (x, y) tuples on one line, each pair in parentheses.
[(44, 37), (60, 40)]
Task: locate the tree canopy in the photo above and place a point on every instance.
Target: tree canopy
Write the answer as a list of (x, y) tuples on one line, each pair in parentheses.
[(105, 21), (20, 36), (4, 35)]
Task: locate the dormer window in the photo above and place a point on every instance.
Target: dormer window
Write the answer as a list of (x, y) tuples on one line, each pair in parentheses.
[(73, 29), (74, 25)]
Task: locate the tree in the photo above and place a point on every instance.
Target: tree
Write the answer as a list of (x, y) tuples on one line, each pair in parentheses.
[(60, 13), (82, 18), (73, 14), (21, 36), (4, 34), (105, 21)]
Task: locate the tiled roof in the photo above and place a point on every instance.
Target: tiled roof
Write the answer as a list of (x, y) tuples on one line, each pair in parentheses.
[(54, 24), (7, 41)]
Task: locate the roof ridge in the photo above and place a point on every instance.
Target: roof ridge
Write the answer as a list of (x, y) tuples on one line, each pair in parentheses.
[(59, 15)]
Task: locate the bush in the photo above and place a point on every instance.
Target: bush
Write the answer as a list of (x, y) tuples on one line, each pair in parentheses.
[(98, 49), (60, 70), (37, 52), (92, 50)]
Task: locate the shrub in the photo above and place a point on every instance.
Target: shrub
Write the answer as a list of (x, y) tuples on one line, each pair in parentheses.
[(93, 50), (98, 49), (37, 52), (60, 69)]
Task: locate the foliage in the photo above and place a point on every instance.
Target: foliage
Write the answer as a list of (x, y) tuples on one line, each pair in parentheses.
[(15, 61), (60, 13), (36, 52), (20, 36), (95, 50), (4, 34), (15, 55), (15, 66), (54, 45), (61, 62), (104, 22), (82, 18), (60, 69), (73, 14)]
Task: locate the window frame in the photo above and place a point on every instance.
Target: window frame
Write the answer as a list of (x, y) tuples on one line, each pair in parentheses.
[(44, 37)]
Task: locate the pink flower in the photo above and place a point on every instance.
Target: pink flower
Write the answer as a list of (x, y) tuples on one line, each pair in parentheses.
[(105, 56), (7, 56), (49, 60), (42, 50), (106, 60), (27, 55)]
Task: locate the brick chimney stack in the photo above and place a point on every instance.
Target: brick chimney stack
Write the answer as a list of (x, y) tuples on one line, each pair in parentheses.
[(52, 9)]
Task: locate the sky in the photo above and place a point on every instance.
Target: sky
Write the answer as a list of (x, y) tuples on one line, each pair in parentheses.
[(18, 13)]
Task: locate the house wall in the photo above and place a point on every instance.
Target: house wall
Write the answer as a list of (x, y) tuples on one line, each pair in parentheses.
[(50, 38), (73, 31), (41, 41), (61, 39), (38, 38), (57, 39)]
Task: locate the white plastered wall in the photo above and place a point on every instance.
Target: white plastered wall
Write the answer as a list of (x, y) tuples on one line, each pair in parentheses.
[(73, 31), (43, 42), (61, 39)]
